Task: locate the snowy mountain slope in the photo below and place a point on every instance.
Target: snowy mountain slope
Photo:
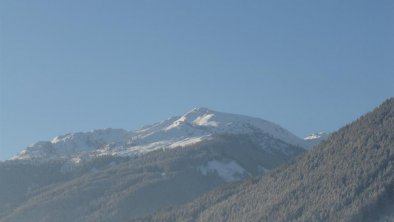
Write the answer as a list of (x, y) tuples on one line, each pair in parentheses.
[(197, 125), (202, 121), (113, 188), (73, 143)]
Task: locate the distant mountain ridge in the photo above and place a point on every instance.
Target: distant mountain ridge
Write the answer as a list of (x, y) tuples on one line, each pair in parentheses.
[(104, 174), (197, 125)]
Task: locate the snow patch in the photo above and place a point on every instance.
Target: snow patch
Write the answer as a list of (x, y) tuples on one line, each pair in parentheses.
[(76, 160), (188, 141), (315, 138), (228, 170), (318, 135), (176, 124), (204, 121)]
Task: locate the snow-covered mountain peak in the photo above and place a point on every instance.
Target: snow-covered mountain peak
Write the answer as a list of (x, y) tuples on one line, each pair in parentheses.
[(197, 125), (203, 117), (197, 117), (200, 110), (202, 121)]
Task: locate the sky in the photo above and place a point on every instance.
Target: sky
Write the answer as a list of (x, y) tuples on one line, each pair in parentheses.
[(307, 65)]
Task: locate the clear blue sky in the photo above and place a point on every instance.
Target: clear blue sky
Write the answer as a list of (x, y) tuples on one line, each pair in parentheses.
[(77, 65)]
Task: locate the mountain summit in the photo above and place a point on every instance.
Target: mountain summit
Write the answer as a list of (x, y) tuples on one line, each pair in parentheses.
[(199, 124)]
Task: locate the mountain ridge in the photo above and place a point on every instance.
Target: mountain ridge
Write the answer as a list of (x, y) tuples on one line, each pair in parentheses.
[(199, 124)]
